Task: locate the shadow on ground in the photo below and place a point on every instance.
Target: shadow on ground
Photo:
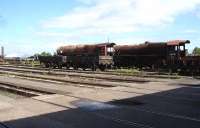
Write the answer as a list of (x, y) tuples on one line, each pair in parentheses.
[(178, 108)]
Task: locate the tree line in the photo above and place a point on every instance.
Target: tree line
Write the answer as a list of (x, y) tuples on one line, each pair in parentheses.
[(196, 51)]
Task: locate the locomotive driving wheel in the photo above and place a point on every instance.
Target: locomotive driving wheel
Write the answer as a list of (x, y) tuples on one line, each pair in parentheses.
[(102, 67)]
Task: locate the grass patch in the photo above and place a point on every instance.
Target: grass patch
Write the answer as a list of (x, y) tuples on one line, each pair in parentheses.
[(130, 71), (31, 63), (142, 73), (11, 95)]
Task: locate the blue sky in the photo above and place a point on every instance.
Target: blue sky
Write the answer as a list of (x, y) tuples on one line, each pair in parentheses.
[(31, 26)]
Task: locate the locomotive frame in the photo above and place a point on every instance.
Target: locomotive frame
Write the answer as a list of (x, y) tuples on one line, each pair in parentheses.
[(84, 56)]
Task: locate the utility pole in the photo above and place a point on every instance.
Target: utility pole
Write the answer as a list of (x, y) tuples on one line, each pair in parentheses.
[(2, 52), (108, 39)]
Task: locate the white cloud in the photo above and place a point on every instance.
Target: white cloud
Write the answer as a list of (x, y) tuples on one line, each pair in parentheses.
[(96, 17), (54, 34), (24, 49), (14, 55), (191, 31)]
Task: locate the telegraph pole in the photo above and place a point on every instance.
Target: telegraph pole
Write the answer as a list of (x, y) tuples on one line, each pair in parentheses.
[(2, 52)]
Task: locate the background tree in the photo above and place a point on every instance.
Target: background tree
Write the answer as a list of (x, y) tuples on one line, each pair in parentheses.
[(40, 54), (196, 51), (45, 54)]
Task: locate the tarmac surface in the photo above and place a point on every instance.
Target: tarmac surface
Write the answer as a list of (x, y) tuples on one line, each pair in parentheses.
[(161, 104)]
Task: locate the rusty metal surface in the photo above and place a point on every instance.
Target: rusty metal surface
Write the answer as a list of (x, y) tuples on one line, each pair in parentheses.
[(177, 42), (77, 49), (141, 49), (195, 59), (81, 49)]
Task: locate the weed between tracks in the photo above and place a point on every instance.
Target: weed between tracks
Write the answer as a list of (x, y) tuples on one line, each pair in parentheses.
[(11, 95)]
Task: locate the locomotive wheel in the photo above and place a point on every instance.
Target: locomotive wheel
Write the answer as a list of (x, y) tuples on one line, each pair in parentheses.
[(75, 67), (102, 67), (60, 66), (94, 68), (47, 66), (67, 66)]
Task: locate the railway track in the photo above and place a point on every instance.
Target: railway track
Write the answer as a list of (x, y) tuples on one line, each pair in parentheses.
[(75, 82), (109, 72), (97, 83), (21, 90), (63, 70), (58, 79), (79, 75), (65, 80), (39, 76), (170, 99), (114, 118), (87, 84), (79, 83)]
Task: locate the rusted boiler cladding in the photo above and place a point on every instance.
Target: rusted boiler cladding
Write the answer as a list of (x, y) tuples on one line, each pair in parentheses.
[(84, 49), (77, 50), (148, 48)]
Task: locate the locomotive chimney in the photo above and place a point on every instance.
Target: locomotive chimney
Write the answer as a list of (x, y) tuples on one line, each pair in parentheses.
[(2, 52)]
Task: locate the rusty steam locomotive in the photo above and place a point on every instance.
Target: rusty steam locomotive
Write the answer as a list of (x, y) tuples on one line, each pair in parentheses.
[(169, 55), (154, 55), (81, 56)]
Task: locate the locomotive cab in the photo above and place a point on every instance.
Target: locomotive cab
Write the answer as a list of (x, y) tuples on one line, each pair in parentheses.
[(176, 48), (106, 52), (175, 53)]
